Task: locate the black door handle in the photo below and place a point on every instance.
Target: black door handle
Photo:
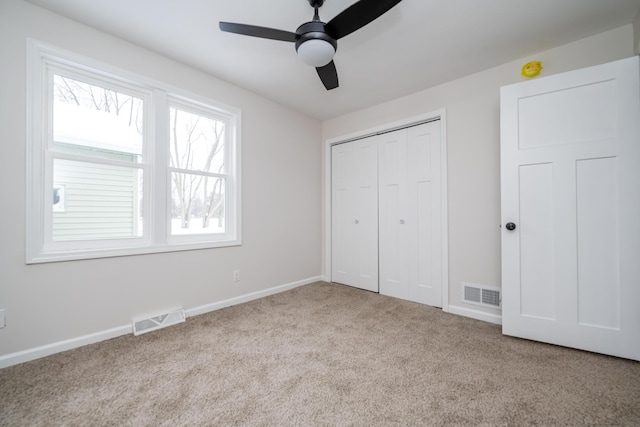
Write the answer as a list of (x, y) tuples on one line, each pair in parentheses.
[(511, 226)]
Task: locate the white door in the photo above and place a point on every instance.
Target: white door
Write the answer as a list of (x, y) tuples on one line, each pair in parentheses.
[(571, 188), (354, 216), (410, 206)]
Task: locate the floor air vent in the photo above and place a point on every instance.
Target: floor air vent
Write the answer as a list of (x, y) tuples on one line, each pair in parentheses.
[(149, 324), (482, 295)]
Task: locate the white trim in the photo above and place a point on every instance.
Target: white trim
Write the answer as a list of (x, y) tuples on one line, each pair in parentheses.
[(388, 127), (249, 297), (127, 251), (444, 209), (69, 344), (77, 61), (475, 314), (434, 115), (60, 346)]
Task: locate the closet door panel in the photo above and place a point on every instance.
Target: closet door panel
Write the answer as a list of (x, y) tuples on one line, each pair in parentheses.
[(410, 214), (354, 214), (342, 207), (394, 252), (423, 210), (366, 218)]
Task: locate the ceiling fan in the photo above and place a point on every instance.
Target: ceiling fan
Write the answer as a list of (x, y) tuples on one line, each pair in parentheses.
[(316, 41)]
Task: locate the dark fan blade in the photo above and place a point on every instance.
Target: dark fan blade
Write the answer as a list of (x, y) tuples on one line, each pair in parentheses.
[(328, 75), (254, 31), (357, 16)]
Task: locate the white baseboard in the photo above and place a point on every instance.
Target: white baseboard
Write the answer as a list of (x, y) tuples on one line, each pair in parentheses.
[(58, 347), (475, 314), (249, 297)]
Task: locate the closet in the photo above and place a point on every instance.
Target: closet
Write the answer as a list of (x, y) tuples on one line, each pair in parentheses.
[(387, 225)]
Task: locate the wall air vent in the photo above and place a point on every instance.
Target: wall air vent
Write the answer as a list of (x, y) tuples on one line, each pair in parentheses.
[(487, 296), (141, 326)]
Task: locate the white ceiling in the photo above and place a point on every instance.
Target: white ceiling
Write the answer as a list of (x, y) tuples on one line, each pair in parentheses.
[(416, 45)]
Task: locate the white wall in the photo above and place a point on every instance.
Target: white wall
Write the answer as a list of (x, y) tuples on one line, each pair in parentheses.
[(47, 303), (636, 33), (473, 135)]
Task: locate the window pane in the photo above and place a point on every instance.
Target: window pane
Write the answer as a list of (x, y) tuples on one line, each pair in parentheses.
[(197, 204), (95, 201), (95, 121), (197, 142)]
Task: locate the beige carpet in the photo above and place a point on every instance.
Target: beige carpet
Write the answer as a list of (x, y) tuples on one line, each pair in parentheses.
[(322, 354)]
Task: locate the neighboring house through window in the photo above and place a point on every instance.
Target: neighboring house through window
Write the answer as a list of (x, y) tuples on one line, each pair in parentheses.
[(120, 165)]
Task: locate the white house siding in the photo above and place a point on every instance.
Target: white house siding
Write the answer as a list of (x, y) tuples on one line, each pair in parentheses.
[(100, 201)]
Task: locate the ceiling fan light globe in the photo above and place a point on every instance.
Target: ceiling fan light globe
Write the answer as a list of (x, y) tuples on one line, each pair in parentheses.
[(316, 52)]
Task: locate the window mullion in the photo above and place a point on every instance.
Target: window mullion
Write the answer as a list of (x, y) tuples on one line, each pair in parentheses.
[(97, 160)]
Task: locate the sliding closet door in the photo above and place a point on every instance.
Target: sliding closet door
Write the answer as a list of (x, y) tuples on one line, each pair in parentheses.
[(410, 207), (354, 217)]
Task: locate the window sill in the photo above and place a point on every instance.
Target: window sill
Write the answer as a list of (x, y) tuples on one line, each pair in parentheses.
[(76, 255)]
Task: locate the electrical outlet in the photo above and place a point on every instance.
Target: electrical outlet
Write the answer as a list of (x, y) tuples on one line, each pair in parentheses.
[(2, 318), (236, 275)]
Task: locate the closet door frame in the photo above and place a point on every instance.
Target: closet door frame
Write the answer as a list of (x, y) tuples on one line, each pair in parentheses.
[(403, 123)]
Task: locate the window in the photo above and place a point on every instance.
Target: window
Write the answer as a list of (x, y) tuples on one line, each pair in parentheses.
[(118, 165), (198, 174)]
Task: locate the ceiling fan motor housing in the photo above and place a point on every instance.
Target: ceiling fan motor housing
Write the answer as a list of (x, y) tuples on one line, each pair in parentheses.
[(314, 30), (314, 45)]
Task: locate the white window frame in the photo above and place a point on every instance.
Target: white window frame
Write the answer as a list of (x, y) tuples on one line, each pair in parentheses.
[(229, 175), (43, 62)]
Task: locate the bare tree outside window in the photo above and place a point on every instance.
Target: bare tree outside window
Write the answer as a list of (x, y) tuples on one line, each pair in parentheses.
[(82, 94), (197, 156)]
